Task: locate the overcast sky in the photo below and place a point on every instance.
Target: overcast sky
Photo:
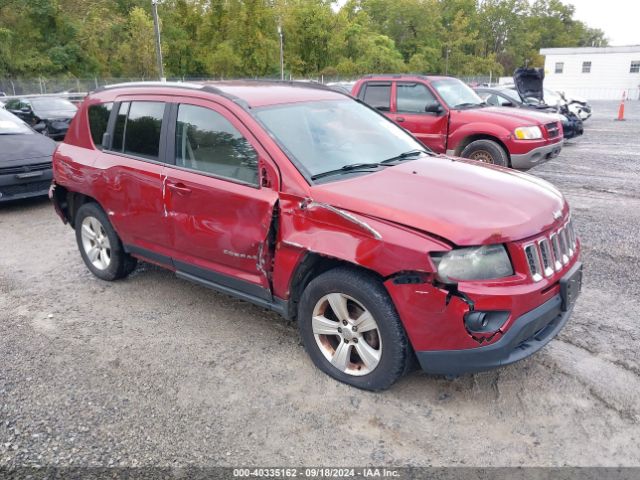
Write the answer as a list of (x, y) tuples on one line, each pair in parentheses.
[(618, 18)]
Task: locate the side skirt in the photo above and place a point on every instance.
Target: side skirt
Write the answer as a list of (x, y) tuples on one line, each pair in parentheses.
[(277, 304), (216, 281)]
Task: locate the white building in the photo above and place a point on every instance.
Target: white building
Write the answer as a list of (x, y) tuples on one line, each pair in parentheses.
[(595, 73)]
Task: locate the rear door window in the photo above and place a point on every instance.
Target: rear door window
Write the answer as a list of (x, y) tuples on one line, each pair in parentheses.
[(378, 95), (142, 133), (137, 129), (98, 120)]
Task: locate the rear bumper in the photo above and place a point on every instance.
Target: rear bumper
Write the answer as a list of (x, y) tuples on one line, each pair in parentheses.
[(14, 188), (528, 334), (536, 156)]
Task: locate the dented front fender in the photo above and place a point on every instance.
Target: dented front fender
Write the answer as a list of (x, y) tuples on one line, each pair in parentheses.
[(377, 245)]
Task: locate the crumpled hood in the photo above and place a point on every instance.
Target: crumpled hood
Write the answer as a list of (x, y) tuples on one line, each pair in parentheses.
[(460, 200), (19, 149), (529, 82)]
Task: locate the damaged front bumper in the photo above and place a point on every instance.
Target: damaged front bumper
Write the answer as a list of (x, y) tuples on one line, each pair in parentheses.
[(522, 317), (528, 334)]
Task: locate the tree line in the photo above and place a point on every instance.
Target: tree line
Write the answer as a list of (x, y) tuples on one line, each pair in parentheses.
[(239, 38)]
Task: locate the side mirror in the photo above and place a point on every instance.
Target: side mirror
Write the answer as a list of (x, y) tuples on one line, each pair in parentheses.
[(434, 108)]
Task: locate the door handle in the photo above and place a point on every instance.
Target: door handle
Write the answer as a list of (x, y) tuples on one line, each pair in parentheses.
[(179, 187), (399, 119)]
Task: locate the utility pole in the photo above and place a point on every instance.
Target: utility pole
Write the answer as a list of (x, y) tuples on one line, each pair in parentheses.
[(281, 51), (156, 27), (446, 65)]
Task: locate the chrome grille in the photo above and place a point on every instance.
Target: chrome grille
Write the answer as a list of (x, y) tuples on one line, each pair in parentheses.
[(547, 259), (533, 258), (572, 235), (557, 255), (547, 255), (564, 246)]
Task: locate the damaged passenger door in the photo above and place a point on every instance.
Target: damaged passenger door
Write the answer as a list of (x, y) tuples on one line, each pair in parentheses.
[(219, 199)]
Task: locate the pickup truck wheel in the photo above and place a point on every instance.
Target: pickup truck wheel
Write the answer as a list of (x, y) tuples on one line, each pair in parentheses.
[(99, 244), (351, 330), (486, 151)]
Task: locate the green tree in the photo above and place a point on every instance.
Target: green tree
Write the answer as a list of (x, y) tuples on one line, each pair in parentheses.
[(238, 38), (137, 49)]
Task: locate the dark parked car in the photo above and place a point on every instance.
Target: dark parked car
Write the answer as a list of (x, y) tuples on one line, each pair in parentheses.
[(25, 159), (509, 97), (47, 115)]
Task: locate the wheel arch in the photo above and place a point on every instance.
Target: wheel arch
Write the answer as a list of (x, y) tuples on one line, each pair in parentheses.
[(310, 266), (68, 202), (481, 136)]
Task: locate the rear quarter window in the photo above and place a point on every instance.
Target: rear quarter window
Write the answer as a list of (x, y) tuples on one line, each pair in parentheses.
[(98, 120)]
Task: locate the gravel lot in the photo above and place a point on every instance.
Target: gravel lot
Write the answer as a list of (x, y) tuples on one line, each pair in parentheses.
[(153, 370)]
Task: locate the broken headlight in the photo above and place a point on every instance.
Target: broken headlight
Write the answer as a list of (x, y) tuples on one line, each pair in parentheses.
[(473, 263), (528, 133)]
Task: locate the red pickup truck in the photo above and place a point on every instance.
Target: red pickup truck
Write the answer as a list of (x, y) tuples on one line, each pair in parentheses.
[(449, 117)]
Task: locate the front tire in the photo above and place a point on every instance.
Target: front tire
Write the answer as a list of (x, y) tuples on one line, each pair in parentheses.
[(351, 330), (486, 151), (99, 244)]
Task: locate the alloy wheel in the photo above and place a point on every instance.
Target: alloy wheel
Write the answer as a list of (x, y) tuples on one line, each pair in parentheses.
[(96, 243), (347, 334)]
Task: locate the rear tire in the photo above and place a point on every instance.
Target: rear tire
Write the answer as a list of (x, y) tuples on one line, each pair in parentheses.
[(99, 244), (486, 151), (351, 330)]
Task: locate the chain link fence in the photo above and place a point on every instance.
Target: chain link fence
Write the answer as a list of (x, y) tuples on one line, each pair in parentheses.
[(48, 86)]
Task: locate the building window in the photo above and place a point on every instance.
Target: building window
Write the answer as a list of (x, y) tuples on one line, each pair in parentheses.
[(559, 67), (586, 67), (635, 67)]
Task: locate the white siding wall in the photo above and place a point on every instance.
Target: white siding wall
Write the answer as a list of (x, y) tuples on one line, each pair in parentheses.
[(609, 75)]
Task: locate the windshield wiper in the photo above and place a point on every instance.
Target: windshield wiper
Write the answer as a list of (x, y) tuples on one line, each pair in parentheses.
[(366, 166), (405, 155), (345, 169)]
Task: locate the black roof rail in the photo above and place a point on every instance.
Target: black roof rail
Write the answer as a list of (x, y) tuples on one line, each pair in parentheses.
[(402, 75), (151, 83), (186, 85), (292, 83), (211, 88)]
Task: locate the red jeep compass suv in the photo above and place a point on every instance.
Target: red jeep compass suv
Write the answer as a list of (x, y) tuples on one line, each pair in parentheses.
[(308, 202)]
